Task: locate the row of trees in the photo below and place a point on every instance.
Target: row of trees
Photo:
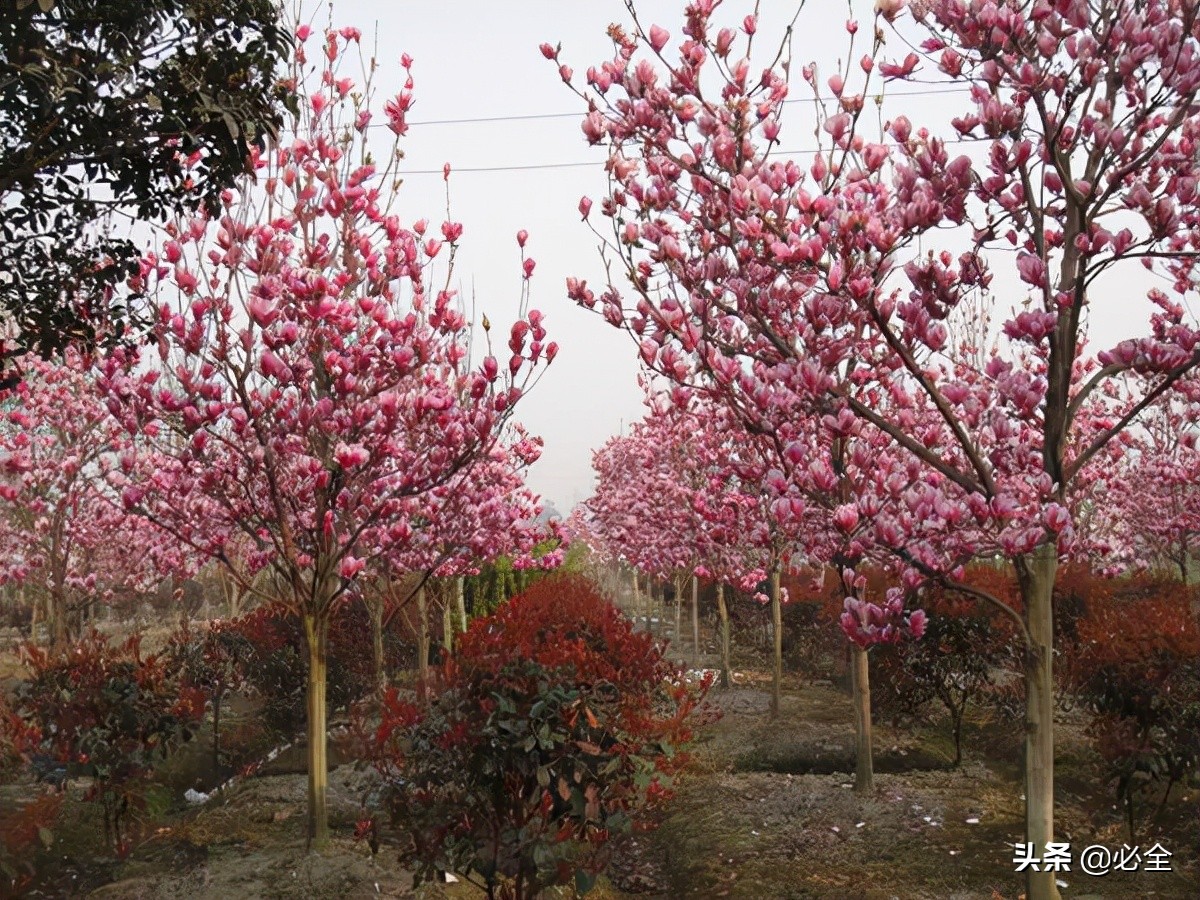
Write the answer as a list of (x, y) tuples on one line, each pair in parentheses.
[(827, 307), (312, 410)]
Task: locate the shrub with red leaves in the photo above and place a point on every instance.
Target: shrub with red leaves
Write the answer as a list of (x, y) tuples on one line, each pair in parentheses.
[(557, 726), (1136, 666), (104, 711)]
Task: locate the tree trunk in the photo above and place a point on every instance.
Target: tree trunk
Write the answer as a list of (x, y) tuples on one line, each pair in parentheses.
[(216, 759), (958, 721), (422, 643), (378, 669), (316, 635), (723, 612), (447, 624), (460, 603), (637, 600), (777, 640), (33, 616), (677, 636), (860, 677), (695, 622), (56, 613), (1036, 575)]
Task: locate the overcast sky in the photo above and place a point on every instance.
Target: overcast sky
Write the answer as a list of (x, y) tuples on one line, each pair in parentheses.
[(475, 60)]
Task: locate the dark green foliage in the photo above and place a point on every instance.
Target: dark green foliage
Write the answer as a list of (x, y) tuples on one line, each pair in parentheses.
[(98, 101), (952, 665)]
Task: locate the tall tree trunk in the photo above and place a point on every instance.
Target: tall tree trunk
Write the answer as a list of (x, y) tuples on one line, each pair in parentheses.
[(1036, 576), (723, 612), (637, 600), (57, 614), (860, 677), (33, 615), (777, 641), (447, 622), (422, 642), (316, 636), (695, 622), (378, 669), (460, 603), (216, 758), (678, 634)]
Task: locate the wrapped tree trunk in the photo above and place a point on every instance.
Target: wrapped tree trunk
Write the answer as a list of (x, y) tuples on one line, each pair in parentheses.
[(422, 642), (1036, 573), (447, 623), (375, 610), (723, 612), (777, 643), (860, 678), (460, 603), (695, 622), (678, 633), (637, 599), (316, 637)]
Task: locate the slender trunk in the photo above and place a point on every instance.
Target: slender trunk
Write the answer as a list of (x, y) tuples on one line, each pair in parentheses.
[(422, 643), (723, 612), (677, 636), (637, 600), (33, 617), (447, 624), (56, 608), (860, 678), (460, 603), (216, 759), (695, 622), (378, 669), (1036, 575), (777, 639), (958, 720), (316, 635)]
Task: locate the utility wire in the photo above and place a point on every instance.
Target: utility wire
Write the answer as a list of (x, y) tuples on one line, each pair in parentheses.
[(576, 115), (598, 163)]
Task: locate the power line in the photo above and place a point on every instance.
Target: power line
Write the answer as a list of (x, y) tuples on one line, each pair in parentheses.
[(576, 115), (455, 170)]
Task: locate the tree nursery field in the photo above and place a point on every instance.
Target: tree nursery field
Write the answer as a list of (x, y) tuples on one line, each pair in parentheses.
[(885, 591)]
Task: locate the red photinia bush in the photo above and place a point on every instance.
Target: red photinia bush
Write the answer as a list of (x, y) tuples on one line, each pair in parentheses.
[(1136, 666), (557, 727), (260, 652), (107, 712)]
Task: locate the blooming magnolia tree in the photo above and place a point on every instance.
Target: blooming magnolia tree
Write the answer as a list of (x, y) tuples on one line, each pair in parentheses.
[(1145, 508), (484, 512), (62, 528), (311, 382), (824, 289)]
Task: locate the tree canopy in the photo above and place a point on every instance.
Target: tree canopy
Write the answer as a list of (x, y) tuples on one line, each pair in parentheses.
[(140, 107)]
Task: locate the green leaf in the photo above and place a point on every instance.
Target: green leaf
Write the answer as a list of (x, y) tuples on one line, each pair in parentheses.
[(584, 881)]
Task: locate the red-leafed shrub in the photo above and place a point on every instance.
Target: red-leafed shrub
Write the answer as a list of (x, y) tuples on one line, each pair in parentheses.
[(953, 664), (1136, 666), (24, 830), (106, 712), (556, 727), (262, 654)]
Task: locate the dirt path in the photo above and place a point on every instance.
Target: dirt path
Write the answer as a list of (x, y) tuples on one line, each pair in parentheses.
[(769, 812)]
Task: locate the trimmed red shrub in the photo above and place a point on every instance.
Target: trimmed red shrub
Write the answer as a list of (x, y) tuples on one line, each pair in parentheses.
[(106, 712), (1136, 666), (557, 726)]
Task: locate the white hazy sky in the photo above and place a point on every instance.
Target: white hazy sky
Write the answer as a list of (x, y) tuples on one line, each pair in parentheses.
[(480, 60)]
